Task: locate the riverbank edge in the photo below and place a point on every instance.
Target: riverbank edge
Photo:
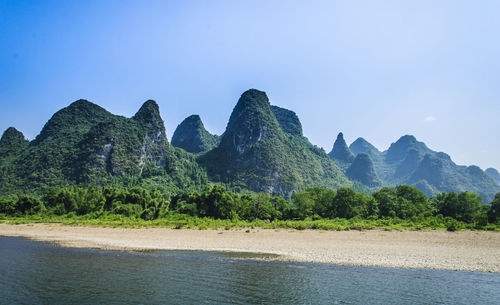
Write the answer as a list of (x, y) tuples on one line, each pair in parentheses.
[(434, 249)]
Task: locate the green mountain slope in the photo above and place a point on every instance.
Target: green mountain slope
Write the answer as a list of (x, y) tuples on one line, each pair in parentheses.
[(83, 143), (256, 153), (288, 120), (262, 149)]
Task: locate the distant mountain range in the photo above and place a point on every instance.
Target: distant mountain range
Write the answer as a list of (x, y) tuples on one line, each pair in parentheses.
[(262, 149), (408, 161)]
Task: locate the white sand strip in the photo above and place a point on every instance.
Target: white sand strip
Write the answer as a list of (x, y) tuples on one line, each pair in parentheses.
[(474, 251)]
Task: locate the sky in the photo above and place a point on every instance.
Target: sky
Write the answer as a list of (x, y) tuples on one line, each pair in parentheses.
[(372, 69)]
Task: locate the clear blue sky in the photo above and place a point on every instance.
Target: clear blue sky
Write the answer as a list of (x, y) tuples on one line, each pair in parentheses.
[(376, 69)]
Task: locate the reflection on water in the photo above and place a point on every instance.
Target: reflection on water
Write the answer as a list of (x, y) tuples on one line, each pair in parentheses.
[(41, 273)]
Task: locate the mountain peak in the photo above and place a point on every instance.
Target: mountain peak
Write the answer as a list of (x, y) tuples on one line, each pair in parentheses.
[(73, 118), (82, 103), (340, 151), (148, 112), (12, 138), (361, 145), (192, 136), (408, 139), (494, 174), (149, 116), (255, 152), (399, 150), (288, 120), (254, 95), (251, 122)]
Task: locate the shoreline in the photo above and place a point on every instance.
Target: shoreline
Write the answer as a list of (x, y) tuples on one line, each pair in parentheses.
[(464, 250)]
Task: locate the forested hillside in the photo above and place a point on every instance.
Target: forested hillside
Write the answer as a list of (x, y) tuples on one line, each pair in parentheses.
[(263, 149)]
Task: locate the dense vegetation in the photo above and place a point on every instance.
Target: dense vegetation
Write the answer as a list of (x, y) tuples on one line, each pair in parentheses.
[(316, 208), (90, 165), (262, 149)]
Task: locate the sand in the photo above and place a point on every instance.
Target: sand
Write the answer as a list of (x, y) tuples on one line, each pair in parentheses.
[(467, 250)]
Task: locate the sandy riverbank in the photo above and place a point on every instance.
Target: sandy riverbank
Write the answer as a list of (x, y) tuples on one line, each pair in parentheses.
[(475, 251)]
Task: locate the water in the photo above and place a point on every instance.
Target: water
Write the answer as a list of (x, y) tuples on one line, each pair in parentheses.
[(42, 273)]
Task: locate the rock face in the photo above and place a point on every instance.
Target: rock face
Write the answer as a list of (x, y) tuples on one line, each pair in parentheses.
[(192, 136), (256, 153), (362, 170), (149, 118), (52, 156), (122, 146), (493, 174)]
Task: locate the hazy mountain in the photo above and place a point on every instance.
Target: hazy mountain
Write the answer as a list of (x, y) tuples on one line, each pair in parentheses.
[(399, 150), (408, 161), (362, 170), (360, 145), (493, 173), (340, 153), (192, 136)]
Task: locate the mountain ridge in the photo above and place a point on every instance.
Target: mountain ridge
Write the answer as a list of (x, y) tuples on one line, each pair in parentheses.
[(409, 161), (263, 149)]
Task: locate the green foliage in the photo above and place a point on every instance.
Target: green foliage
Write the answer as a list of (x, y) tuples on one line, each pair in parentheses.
[(312, 208), (494, 212), (404, 202), (29, 205), (465, 206)]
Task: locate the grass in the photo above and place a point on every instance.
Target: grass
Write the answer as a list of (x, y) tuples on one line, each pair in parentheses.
[(181, 221)]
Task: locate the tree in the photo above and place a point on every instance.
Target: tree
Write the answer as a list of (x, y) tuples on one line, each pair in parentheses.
[(412, 202), (30, 205), (348, 204), (465, 206), (304, 204), (386, 199), (494, 211), (469, 206)]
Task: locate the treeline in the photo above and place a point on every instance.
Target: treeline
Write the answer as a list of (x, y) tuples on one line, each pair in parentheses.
[(401, 202)]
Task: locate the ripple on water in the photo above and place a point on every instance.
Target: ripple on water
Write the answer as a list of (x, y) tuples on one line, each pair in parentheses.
[(42, 273)]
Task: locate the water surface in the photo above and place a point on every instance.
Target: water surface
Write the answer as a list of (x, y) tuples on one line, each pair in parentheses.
[(42, 273)]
